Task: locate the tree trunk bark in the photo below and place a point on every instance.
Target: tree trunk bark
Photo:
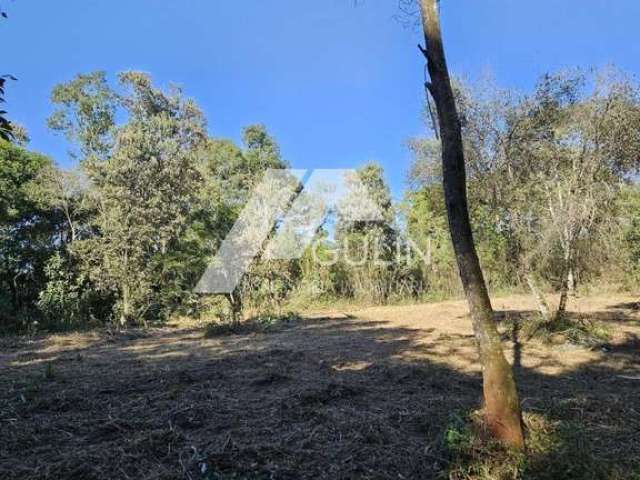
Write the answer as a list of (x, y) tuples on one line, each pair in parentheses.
[(571, 282), (501, 403), (543, 306), (235, 302), (564, 296), (567, 284), (125, 314)]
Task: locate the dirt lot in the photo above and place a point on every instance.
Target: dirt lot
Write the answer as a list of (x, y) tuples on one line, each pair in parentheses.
[(361, 394)]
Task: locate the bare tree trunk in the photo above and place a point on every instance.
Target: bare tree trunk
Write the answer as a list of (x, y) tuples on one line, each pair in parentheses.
[(543, 306), (125, 313), (235, 302), (501, 403), (571, 282), (72, 227), (567, 283), (564, 296)]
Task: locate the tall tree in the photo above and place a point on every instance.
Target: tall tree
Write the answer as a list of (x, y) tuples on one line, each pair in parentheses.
[(230, 175), (6, 127), (367, 247), (28, 232), (143, 180), (571, 147), (501, 403), (85, 114)]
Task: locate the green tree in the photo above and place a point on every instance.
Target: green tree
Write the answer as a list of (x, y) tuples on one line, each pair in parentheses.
[(231, 173), (6, 127), (28, 232), (572, 146), (143, 177), (85, 114), (368, 269)]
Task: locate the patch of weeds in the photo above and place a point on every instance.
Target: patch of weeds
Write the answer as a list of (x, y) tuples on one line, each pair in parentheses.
[(568, 453), (574, 329), (587, 332), (473, 454), (262, 323), (554, 450), (579, 331)]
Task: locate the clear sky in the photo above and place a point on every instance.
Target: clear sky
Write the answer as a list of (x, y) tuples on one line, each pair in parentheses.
[(338, 82)]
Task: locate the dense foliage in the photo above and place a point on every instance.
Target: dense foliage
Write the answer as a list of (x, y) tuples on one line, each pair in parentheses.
[(125, 236)]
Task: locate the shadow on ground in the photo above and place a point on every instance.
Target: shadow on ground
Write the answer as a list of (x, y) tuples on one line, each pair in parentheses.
[(320, 399)]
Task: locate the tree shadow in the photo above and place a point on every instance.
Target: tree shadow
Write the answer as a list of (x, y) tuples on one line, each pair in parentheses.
[(321, 398), (595, 404), (633, 306)]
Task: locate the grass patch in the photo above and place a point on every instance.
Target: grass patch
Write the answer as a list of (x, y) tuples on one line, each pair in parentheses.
[(578, 330), (555, 450), (568, 328), (262, 323), (472, 453)]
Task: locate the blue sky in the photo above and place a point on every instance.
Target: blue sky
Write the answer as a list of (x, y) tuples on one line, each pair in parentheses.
[(338, 82)]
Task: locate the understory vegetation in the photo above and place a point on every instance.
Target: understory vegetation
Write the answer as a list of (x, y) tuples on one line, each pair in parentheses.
[(555, 450)]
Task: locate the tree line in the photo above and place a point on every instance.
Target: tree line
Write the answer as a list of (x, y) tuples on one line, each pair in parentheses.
[(551, 182), (125, 235)]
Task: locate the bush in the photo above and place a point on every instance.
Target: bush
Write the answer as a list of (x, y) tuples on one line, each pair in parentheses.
[(68, 301), (262, 323), (578, 330)]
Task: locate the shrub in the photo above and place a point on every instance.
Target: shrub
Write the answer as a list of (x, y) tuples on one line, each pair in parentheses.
[(265, 322)]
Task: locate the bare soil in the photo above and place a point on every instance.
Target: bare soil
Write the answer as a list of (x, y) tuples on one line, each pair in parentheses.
[(336, 395)]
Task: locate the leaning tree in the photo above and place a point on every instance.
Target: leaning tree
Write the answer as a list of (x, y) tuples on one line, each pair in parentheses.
[(501, 403)]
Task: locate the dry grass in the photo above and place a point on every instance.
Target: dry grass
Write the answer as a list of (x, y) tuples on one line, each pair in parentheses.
[(365, 395)]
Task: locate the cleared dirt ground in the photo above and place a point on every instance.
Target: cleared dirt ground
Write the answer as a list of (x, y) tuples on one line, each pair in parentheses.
[(337, 395)]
